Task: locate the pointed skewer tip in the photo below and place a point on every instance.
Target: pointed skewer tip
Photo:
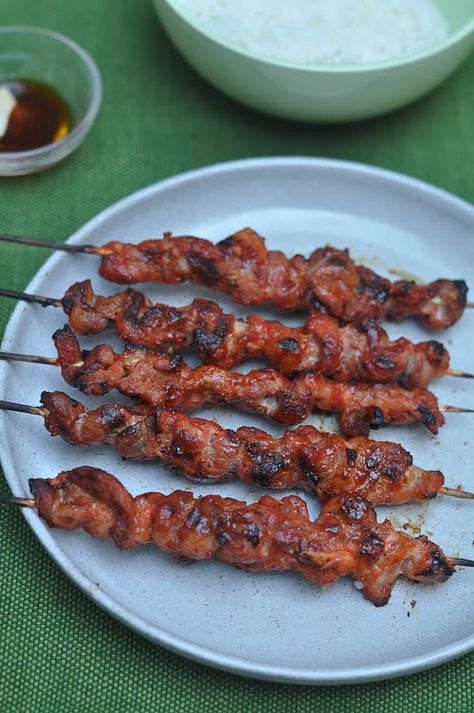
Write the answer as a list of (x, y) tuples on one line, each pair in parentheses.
[(460, 373), (28, 358), (39, 299), (455, 409), (6, 499), (50, 244), (462, 562), (457, 493), (23, 408), (35, 359)]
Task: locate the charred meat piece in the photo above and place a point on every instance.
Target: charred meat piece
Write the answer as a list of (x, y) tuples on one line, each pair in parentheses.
[(269, 535), (360, 352), (242, 266), (323, 463), (162, 380)]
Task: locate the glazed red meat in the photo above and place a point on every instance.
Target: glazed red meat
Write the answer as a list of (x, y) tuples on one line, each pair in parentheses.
[(363, 352), (167, 381), (269, 535), (200, 449), (242, 266)]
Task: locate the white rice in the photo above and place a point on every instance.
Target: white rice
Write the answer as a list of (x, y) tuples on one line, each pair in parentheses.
[(322, 31)]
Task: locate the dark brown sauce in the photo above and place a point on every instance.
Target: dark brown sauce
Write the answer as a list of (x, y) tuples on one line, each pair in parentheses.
[(39, 117)]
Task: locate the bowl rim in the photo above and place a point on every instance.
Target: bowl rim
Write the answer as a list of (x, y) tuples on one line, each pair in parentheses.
[(449, 41), (94, 103)]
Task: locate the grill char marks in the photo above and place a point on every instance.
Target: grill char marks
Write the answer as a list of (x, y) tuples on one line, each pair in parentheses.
[(438, 566), (167, 381), (207, 269), (242, 266), (201, 449), (363, 352), (209, 338), (266, 464), (268, 535), (462, 289)]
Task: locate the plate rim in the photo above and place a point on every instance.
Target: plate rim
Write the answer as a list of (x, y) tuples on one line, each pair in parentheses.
[(177, 644)]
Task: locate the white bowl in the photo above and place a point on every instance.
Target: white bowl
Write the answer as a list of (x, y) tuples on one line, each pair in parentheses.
[(320, 92)]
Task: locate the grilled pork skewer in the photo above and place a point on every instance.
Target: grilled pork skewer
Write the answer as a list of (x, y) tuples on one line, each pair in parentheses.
[(242, 266), (363, 352), (323, 463), (269, 535), (167, 381)]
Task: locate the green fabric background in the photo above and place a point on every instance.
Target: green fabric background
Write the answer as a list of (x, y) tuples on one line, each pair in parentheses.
[(58, 651)]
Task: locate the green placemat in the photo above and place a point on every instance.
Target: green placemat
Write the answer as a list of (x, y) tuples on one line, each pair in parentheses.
[(58, 651)]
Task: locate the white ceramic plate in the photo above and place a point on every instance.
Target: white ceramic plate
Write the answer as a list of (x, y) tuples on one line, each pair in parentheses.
[(269, 626)]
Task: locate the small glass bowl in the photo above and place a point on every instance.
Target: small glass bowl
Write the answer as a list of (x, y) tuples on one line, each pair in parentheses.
[(51, 58)]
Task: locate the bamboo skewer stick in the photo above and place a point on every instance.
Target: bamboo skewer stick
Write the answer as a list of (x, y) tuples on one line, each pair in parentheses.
[(25, 297), (13, 500), (54, 302), (32, 359), (457, 493), (460, 373), (6, 499), (68, 247), (455, 409), (52, 361), (462, 562), (51, 245), (42, 411), (71, 248), (23, 408)]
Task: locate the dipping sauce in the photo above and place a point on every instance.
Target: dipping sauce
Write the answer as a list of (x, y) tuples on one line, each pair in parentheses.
[(322, 31), (32, 114)]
